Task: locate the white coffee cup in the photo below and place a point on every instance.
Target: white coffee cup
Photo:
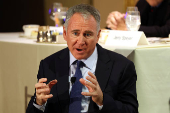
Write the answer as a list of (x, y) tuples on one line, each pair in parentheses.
[(29, 28)]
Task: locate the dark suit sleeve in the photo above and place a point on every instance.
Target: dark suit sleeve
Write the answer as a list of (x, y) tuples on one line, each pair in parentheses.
[(125, 101), (31, 108), (156, 31)]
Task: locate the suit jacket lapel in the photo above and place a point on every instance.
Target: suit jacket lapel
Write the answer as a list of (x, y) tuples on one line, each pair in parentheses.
[(62, 75), (102, 73)]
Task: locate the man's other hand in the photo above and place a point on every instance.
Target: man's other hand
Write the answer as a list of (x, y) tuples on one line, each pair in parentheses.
[(43, 90), (94, 89)]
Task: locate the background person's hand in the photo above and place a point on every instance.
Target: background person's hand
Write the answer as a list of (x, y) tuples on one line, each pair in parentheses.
[(116, 21), (94, 89), (43, 90)]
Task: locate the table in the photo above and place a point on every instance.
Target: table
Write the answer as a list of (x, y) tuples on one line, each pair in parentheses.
[(153, 79), (19, 62)]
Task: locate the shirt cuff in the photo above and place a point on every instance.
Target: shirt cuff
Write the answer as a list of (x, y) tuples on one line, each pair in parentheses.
[(100, 107), (42, 107)]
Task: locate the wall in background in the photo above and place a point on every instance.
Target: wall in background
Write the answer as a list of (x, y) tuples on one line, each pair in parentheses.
[(15, 14), (107, 6), (65, 3), (104, 6), (129, 3)]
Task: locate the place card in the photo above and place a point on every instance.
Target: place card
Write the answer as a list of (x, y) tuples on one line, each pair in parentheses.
[(125, 38)]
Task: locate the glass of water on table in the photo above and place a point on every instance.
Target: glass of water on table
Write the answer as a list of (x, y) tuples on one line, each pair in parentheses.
[(131, 9), (60, 16), (54, 7), (132, 20)]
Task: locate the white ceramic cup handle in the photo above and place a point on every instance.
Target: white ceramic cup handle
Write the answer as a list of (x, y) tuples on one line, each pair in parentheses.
[(23, 27)]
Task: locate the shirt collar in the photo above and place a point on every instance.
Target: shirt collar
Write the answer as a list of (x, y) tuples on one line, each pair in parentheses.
[(89, 61)]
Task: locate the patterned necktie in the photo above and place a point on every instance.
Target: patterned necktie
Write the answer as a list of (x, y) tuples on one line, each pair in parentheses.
[(75, 95)]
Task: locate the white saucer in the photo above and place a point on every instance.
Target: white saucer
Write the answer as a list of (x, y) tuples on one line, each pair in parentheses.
[(166, 40), (21, 35)]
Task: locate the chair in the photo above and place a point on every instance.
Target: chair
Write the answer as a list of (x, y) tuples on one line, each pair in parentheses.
[(26, 96)]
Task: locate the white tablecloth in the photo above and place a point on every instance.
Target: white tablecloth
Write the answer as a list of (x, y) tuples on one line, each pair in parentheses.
[(19, 62)]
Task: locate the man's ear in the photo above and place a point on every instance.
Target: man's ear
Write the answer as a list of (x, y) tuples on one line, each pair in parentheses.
[(64, 33), (98, 35)]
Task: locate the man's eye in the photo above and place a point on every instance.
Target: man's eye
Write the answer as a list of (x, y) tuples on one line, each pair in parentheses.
[(87, 35), (75, 33)]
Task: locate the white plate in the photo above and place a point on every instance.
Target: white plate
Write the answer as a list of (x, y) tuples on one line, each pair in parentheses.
[(165, 39), (21, 35)]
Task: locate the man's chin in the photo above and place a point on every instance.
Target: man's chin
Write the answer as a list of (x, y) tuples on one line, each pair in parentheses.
[(79, 57)]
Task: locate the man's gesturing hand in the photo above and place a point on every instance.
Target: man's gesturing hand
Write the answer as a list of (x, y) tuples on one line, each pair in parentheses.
[(94, 89), (43, 90)]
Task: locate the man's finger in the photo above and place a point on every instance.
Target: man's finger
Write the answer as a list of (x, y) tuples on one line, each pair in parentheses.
[(92, 75), (40, 85), (84, 83), (48, 96), (44, 91), (93, 86), (42, 80), (52, 83), (92, 80), (88, 94), (44, 97)]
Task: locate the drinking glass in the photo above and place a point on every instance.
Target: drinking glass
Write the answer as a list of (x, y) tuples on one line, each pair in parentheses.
[(53, 9), (60, 16), (133, 20), (131, 9)]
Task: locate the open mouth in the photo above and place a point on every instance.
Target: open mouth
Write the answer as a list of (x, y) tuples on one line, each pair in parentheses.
[(82, 50), (79, 49)]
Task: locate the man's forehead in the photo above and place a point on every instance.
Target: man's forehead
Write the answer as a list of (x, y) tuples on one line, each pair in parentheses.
[(85, 31), (78, 23), (77, 17), (82, 28)]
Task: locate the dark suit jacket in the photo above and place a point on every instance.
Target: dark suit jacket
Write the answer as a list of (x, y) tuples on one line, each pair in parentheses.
[(116, 76), (157, 22)]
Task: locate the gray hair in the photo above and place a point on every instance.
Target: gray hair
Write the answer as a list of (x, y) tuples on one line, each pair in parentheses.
[(85, 10)]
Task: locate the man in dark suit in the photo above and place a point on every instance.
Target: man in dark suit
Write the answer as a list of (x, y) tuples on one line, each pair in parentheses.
[(155, 18), (109, 79)]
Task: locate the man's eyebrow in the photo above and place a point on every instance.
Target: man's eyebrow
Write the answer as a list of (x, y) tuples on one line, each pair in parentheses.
[(76, 30), (88, 31)]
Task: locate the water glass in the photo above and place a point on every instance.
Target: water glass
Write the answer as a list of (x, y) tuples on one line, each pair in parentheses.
[(54, 9), (60, 16), (131, 9), (133, 20)]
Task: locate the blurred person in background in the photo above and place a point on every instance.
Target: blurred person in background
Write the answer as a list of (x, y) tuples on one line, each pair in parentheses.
[(155, 18)]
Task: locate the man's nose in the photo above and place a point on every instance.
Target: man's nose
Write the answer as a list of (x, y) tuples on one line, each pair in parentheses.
[(81, 39)]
